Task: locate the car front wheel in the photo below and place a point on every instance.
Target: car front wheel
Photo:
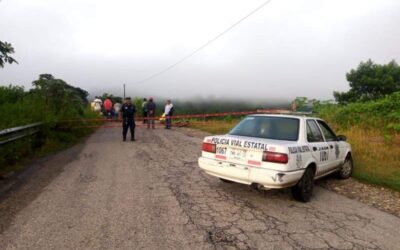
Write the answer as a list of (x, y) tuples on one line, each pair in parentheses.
[(302, 191), (347, 168)]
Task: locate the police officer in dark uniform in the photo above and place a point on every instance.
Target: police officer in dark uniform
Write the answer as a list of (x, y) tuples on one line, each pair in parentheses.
[(128, 111)]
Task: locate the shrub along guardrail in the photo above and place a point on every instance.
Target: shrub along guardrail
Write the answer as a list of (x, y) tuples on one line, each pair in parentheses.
[(18, 142), (12, 134)]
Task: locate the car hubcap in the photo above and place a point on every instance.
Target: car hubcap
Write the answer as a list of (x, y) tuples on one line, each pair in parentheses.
[(346, 169)]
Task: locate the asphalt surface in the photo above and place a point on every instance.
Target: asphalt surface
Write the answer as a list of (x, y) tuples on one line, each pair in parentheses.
[(150, 194)]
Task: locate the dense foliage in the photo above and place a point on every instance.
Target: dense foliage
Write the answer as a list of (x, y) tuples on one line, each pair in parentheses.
[(370, 81), (50, 101), (383, 114)]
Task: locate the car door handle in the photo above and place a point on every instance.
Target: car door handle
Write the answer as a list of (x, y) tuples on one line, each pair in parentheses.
[(314, 148)]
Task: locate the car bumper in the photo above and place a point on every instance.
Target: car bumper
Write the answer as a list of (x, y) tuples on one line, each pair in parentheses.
[(248, 175)]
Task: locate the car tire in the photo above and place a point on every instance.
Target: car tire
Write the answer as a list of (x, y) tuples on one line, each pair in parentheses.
[(302, 191), (346, 169), (225, 180)]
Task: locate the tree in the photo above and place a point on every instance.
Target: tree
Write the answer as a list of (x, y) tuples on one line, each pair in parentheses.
[(5, 50), (138, 104), (11, 94), (299, 103), (59, 97), (370, 81)]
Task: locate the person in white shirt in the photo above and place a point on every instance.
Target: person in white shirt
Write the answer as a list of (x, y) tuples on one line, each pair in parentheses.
[(117, 108), (168, 111), (144, 110), (97, 104)]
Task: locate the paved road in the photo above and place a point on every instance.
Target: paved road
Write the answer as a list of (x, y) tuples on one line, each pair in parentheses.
[(150, 194)]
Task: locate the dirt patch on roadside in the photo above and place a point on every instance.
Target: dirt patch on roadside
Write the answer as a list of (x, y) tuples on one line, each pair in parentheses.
[(379, 197)]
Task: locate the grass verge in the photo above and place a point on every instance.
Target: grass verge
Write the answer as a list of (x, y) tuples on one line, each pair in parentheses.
[(214, 126)]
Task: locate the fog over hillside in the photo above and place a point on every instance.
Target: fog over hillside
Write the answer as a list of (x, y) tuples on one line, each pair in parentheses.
[(286, 49)]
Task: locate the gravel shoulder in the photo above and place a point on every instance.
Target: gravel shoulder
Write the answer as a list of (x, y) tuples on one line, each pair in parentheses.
[(150, 194), (384, 199)]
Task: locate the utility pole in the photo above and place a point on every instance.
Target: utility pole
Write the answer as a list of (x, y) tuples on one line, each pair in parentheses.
[(124, 91)]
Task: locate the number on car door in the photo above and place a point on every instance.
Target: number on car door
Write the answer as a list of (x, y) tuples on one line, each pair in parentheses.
[(334, 150), (319, 148)]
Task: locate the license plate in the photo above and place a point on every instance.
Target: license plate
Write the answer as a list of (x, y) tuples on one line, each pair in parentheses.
[(237, 154)]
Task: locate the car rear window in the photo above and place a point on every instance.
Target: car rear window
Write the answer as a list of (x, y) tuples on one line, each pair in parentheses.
[(268, 127)]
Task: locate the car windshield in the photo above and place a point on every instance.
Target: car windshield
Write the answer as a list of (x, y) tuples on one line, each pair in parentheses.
[(268, 127)]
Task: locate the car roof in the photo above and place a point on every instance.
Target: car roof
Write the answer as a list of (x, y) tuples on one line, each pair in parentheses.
[(286, 116)]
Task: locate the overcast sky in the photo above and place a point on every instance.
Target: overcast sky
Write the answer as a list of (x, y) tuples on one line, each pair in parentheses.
[(288, 48)]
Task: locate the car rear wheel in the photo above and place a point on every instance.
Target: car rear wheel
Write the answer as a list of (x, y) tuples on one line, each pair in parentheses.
[(347, 168), (226, 181), (302, 191)]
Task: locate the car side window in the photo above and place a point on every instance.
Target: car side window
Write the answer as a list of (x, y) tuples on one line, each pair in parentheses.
[(313, 132), (327, 131)]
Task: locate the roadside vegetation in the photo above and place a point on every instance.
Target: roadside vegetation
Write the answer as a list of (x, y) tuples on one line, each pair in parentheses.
[(369, 115), (373, 129), (214, 126), (51, 101)]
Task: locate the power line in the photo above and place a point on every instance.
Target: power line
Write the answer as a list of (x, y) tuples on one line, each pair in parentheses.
[(205, 44)]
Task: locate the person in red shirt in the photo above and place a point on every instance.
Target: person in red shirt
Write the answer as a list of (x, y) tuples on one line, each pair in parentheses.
[(108, 106)]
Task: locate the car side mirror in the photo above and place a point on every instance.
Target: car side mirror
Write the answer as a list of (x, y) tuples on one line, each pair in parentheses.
[(341, 138)]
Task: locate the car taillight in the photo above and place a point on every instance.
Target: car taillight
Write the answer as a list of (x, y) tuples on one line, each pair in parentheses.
[(209, 147), (275, 157)]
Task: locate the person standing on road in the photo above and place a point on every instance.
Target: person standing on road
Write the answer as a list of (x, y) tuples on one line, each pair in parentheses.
[(108, 106), (144, 110), (151, 112), (128, 111), (97, 104), (168, 111), (117, 108)]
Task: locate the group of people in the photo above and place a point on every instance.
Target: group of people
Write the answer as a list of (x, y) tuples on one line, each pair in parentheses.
[(128, 110), (106, 108), (149, 107)]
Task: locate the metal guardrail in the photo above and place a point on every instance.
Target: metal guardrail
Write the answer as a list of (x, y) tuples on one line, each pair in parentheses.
[(12, 134)]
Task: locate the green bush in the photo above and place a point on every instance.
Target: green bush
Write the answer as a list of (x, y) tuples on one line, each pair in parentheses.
[(383, 114), (228, 118), (51, 101)]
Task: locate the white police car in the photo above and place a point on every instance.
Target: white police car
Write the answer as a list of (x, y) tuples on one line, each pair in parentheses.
[(277, 151)]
